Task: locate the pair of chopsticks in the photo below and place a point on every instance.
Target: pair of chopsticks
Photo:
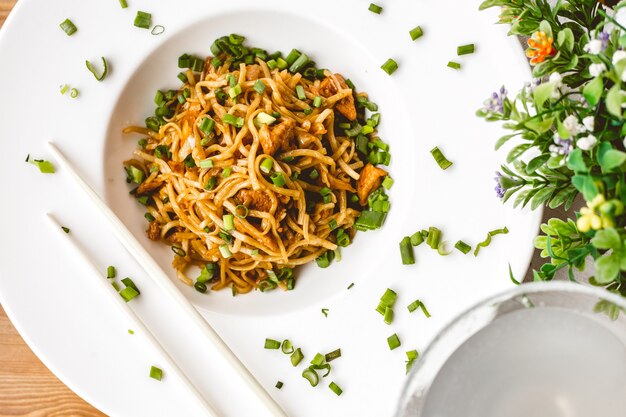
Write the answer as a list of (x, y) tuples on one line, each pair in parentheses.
[(159, 276)]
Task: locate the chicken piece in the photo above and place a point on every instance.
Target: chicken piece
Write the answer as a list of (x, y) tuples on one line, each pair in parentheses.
[(255, 200), (344, 106), (278, 137), (253, 72), (370, 179), (148, 187), (154, 231)]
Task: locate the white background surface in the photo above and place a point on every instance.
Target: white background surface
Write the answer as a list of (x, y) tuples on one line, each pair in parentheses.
[(71, 326)]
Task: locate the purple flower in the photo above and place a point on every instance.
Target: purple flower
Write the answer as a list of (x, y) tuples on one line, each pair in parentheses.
[(561, 146), (532, 85), (499, 189), (495, 103), (604, 38)]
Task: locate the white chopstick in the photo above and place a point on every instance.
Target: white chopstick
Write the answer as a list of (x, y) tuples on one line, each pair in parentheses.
[(164, 282), (137, 322)]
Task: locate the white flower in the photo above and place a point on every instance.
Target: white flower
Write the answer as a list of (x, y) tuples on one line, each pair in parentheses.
[(571, 124), (593, 47), (596, 69), (588, 122), (587, 142), (618, 56), (557, 79), (624, 75)]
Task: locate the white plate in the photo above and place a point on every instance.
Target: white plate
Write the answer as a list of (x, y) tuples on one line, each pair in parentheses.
[(73, 329)]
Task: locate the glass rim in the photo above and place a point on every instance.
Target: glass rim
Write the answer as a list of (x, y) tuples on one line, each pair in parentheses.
[(435, 345)]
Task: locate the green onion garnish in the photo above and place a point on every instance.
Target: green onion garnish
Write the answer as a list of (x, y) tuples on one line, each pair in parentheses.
[(226, 172), (411, 355), (318, 359), (207, 125), (111, 272), (325, 312), (233, 92), (487, 241), (390, 66), (296, 357), (143, 20), (374, 8), (128, 293), (369, 220), (434, 237), (441, 249), (463, 247), (293, 55), (225, 251), (178, 251), (68, 27), (135, 174), (130, 331), (278, 179), (64, 88), (393, 341), (416, 33), (351, 285), (200, 287), (272, 344), (183, 77), (92, 69), (264, 118), (335, 388), (233, 120), (241, 211), (332, 355), (441, 160), (465, 49), (418, 304), (314, 174), (299, 63), (286, 347), (156, 373), (74, 93), (406, 251), (45, 167), (210, 184), (229, 223), (129, 283), (300, 92), (387, 300), (325, 259), (279, 384), (311, 376), (387, 183), (388, 316), (259, 87), (317, 101), (417, 239), (65, 229), (454, 65), (281, 63), (123, 4), (157, 30)]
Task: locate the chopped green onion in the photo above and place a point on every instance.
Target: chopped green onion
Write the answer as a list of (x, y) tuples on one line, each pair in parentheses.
[(418, 304), (111, 272), (233, 92), (454, 65), (229, 223), (465, 49), (272, 64), (325, 259), (286, 347), (233, 120), (216, 62), (463, 247), (136, 175), (406, 251), (388, 316), (325, 312), (130, 331), (157, 30), (387, 300), (45, 167), (441, 160), (292, 56), (65, 229), (207, 125), (64, 88), (314, 174), (259, 87), (281, 64), (129, 283), (74, 93), (487, 240), (278, 179), (225, 251), (226, 172), (272, 344), (335, 388), (92, 69), (332, 355), (311, 376), (374, 8), (393, 341), (441, 249), (184, 61), (434, 237), (369, 220), (156, 373), (390, 66), (416, 33), (317, 101), (210, 184), (411, 355), (238, 210), (143, 20), (264, 118), (149, 217), (416, 239), (299, 63), (181, 99), (114, 285), (296, 357), (387, 183), (221, 96), (318, 359), (279, 384), (128, 293), (178, 251), (123, 4), (206, 163), (351, 285), (300, 92), (68, 27)]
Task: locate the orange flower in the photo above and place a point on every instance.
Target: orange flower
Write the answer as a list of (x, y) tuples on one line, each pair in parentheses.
[(539, 48)]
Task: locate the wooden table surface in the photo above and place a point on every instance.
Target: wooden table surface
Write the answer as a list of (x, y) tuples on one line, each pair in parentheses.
[(27, 387)]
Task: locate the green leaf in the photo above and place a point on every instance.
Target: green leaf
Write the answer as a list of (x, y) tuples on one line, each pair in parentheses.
[(491, 3), (565, 39), (544, 26), (541, 197), (539, 126), (521, 196), (576, 162), (607, 268), (504, 139), (586, 185), (555, 162), (614, 101), (542, 93), (607, 239), (536, 162), (612, 159), (563, 132), (517, 151), (593, 91)]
